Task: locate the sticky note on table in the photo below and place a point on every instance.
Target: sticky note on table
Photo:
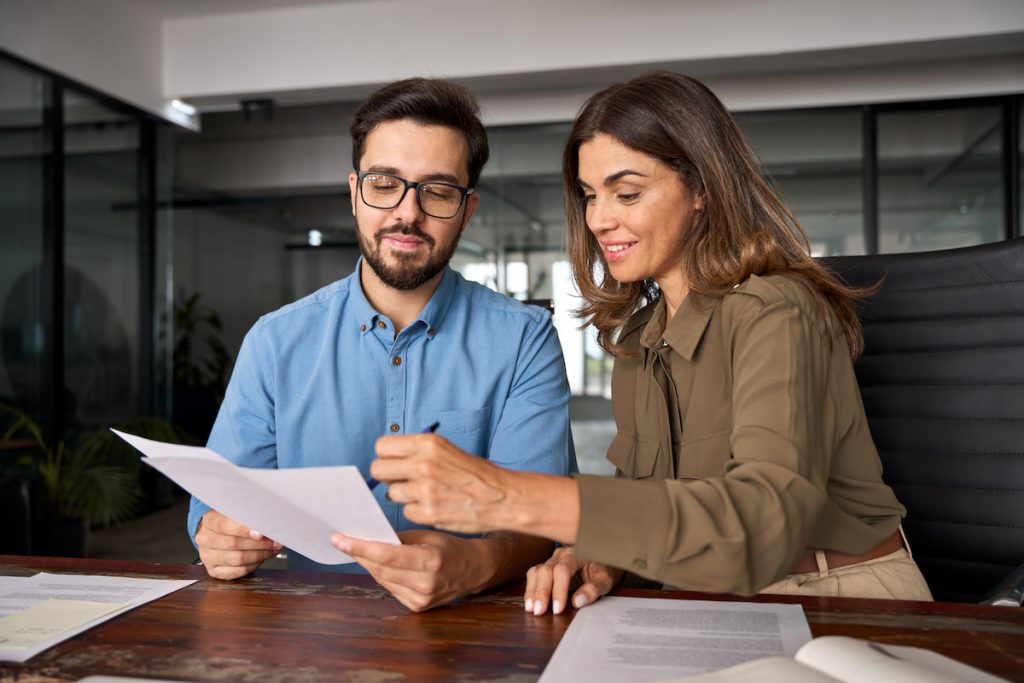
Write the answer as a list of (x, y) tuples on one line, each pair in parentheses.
[(50, 618)]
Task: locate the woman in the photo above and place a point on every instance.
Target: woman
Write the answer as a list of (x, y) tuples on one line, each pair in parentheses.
[(744, 461)]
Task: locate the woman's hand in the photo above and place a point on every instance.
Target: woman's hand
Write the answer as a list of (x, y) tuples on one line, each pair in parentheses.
[(551, 580), (440, 484), (445, 487)]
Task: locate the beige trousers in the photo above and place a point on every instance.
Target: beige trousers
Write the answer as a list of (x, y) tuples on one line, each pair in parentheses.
[(893, 576)]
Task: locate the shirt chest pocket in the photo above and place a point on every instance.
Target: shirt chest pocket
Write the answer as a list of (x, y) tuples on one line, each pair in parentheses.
[(637, 457), (705, 456), (467, 429)]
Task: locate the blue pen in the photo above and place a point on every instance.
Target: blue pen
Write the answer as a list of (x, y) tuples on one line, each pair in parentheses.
[(372, 483)]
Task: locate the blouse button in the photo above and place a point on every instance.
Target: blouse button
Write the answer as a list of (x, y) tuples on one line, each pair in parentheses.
[(380, 324), (394, 427), (362, 328), (396, 361)]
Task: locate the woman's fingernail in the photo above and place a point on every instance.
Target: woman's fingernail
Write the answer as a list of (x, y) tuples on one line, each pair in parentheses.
[(537, 611), (556, 607), (529, 604), (580, 601)]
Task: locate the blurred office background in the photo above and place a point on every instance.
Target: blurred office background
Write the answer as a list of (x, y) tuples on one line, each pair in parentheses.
[(170, 170)]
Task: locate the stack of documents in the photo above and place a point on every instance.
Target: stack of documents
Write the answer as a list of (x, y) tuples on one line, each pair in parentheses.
[(40, 611)]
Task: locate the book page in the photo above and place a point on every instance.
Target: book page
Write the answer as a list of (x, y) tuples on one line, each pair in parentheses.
[(860, 661), (769, 670), (650, 639)]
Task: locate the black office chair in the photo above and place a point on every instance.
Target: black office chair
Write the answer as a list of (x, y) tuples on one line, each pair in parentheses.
[(942, 378)]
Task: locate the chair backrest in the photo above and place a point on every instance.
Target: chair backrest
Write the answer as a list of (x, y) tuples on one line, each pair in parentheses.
[(942, 378)]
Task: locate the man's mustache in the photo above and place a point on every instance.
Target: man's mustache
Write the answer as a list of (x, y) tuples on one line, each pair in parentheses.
[(403, 229)]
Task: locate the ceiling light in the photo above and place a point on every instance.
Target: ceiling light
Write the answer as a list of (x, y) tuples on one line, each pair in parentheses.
[(184, 107)]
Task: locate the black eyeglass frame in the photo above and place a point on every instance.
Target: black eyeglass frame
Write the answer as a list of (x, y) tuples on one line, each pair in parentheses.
[(463, 192)]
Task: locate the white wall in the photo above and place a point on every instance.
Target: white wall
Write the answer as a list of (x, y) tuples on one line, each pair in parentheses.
[(531, 60), (114, 46), (534, 60)]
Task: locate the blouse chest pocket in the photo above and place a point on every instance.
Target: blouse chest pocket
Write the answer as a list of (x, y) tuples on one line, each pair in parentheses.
[(705, 456), (636, 457)]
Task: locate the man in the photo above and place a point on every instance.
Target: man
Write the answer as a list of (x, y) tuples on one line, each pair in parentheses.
[(398, 345)]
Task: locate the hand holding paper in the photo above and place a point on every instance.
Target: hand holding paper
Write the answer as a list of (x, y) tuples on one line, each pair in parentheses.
[(300, 508), (229, 549)]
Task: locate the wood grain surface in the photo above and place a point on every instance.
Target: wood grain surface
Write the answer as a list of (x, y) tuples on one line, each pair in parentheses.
[(316, 627)]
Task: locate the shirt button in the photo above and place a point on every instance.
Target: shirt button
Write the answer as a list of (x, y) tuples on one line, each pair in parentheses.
[(362, 328), (396, 361), (394, 427), (430, 332), (380, 324)]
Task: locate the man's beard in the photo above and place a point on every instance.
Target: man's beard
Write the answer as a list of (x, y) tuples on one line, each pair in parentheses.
[(404, 275)]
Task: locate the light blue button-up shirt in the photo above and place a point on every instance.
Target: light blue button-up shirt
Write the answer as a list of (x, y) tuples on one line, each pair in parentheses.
[(319, 380)]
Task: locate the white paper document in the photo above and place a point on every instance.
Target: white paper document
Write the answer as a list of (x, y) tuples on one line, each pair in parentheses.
[(298, 507), (650, 639), (8, 581), (40, 611)]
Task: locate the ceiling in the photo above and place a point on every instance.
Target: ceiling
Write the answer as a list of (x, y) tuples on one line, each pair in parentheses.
[(180, 9)]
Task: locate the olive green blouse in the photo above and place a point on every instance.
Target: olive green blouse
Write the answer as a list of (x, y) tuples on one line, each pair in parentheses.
[(746, 442)]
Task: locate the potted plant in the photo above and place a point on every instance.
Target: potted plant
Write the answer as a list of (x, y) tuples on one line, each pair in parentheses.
[(94, 481), (201, 364)]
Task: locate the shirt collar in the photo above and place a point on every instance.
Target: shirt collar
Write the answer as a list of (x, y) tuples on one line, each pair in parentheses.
[(684, 332), (364, 313), (431, 316), (434, 312)]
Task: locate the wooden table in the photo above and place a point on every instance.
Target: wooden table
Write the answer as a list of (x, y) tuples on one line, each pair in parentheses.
[(310, 627)]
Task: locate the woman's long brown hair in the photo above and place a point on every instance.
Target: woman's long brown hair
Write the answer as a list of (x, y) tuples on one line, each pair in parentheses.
[(744, 229)]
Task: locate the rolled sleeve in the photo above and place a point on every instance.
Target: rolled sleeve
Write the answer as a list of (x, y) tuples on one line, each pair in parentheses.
[(532, 433)]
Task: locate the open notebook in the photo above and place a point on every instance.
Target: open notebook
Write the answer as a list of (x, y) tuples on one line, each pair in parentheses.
[(832, 659)]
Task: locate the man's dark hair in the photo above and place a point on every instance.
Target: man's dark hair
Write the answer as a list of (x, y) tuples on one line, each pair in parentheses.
[(427, 101)]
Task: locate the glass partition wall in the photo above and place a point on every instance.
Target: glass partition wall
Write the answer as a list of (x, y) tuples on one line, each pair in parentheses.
[(859, 180), (24, 315), (940, 178), (79, 251)]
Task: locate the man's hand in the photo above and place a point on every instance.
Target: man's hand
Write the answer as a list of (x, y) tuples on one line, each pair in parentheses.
[(230, 550), (429, 569), (432, 568), (550, 581)]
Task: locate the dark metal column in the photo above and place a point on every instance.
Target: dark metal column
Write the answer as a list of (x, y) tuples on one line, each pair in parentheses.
[(147, 263), (869, 178), (52, 285), (1011, 167)]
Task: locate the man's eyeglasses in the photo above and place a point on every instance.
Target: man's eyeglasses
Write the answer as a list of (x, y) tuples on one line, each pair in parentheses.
[(386, 191)]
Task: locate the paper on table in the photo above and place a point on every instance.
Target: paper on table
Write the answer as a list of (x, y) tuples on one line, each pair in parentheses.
[(122, 594), (49, 619), (649, 639), (7, 581), (298, 507)]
